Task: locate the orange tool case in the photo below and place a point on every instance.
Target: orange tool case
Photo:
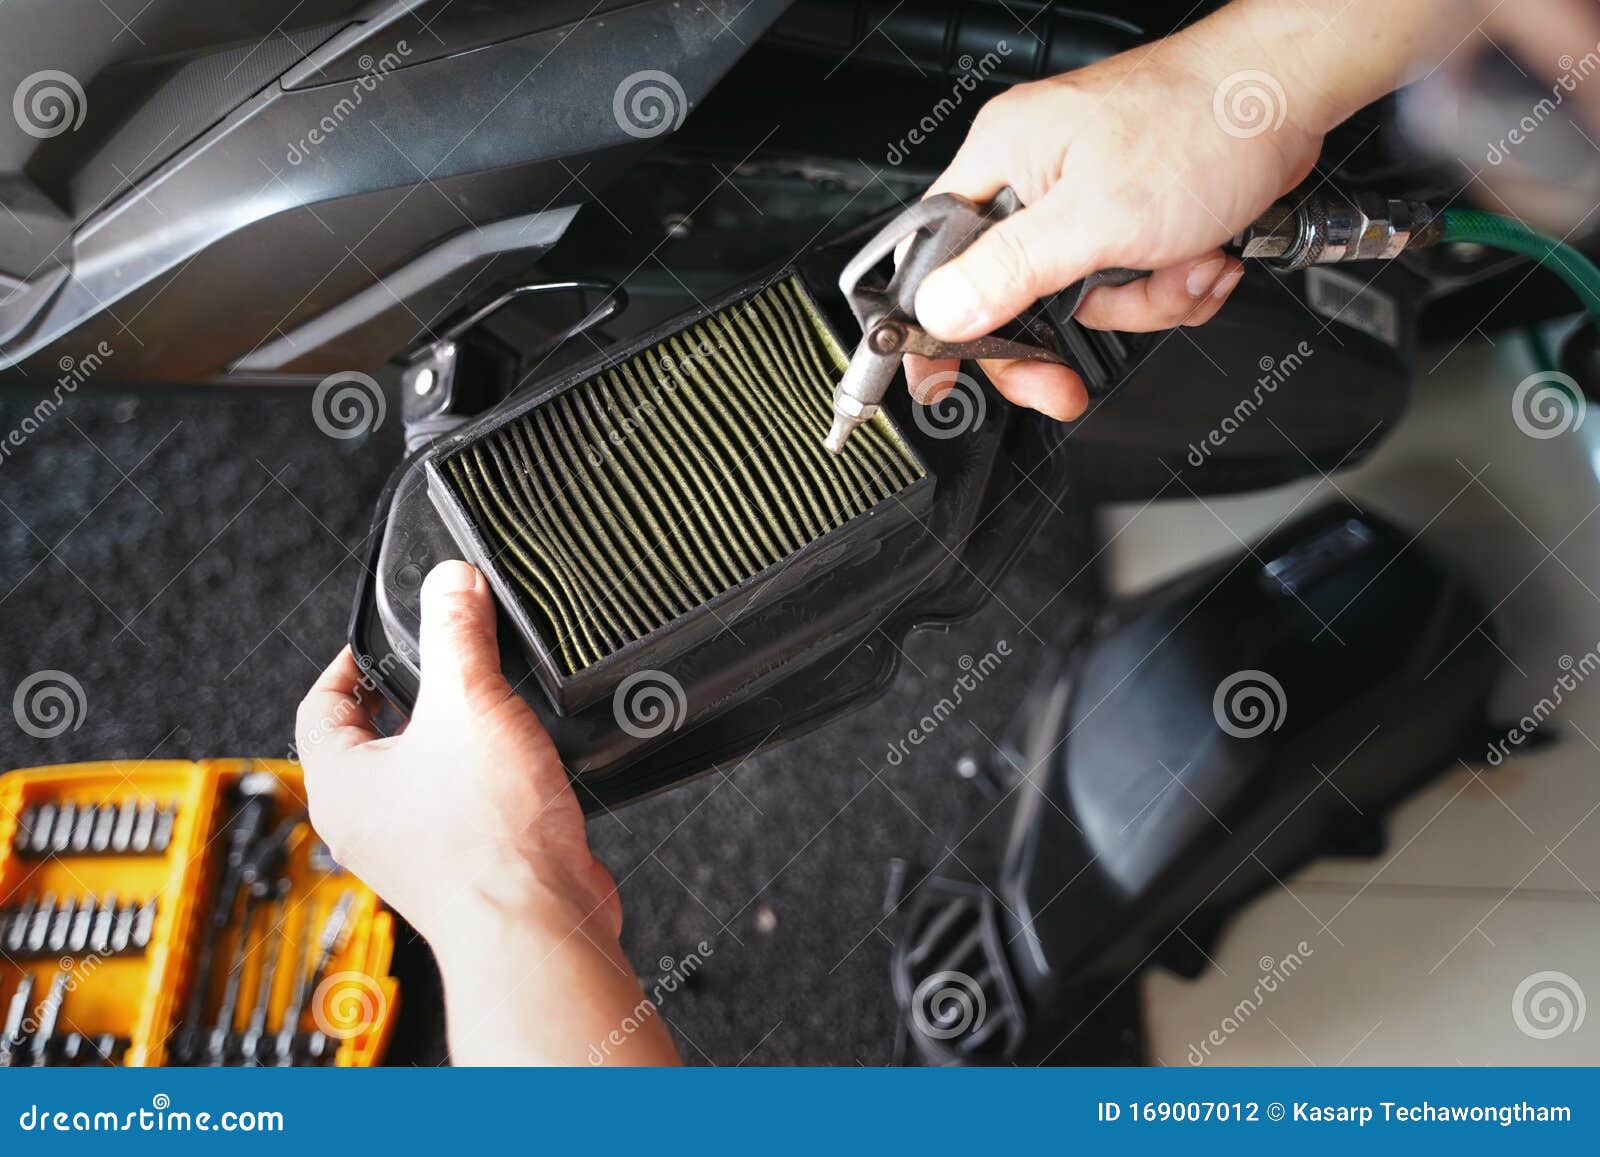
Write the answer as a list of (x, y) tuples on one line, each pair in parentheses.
[(108, 882)]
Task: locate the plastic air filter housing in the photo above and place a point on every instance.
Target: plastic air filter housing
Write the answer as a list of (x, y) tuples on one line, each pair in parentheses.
[(802, 630), (625, 516), (805, 631)]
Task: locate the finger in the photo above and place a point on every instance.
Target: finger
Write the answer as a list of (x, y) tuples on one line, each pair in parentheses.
[(336, 714), (1177, 295), (930, 379), (1218, 297), (1053, 390), (1008, 267), (460, 654)]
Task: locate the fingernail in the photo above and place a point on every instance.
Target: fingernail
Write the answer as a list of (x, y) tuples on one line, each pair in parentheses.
[(1203, 276), (1227, 282), (451, 576), (947, 305)]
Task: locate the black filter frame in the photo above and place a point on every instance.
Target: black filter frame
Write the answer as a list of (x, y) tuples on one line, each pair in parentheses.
[(860, 536)]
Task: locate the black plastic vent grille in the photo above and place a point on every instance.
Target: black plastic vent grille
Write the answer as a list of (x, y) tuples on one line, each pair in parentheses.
[(952, 980), (650, 490)]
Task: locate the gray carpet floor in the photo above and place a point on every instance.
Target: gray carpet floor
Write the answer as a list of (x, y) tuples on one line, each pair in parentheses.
[(190, 561)]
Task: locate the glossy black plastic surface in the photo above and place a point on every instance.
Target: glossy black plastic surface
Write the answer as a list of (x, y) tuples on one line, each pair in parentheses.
[(1294, 694)]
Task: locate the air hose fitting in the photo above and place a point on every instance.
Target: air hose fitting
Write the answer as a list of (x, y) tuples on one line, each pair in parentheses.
[(1319, 230)]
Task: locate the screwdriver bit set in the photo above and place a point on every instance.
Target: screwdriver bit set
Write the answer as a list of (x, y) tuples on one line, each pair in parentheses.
[(40, 1042), (99, 925), (169, 912), (131, 827)]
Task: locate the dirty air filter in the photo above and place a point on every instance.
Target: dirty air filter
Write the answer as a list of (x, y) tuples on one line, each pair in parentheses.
[(629, 514)]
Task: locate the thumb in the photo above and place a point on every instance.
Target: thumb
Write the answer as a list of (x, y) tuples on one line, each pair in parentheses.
[(460, 654), (1009, 266)]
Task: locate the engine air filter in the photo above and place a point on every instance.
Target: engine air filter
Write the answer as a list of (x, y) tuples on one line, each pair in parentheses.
[(632, 510)]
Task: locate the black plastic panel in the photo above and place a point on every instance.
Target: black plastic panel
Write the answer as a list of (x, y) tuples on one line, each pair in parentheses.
[(301, 197)]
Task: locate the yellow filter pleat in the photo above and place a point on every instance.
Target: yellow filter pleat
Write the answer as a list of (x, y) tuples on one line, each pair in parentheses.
[(660, 482), (708, 491), (822, 499), (666, 569), (667, 480)]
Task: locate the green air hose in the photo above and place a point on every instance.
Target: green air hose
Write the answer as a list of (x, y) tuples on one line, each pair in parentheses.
[(1474, 225)]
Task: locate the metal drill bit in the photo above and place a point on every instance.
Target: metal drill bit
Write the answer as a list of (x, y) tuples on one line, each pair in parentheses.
[(122, 930), (61, 837), (49, 1018), (123, 832), (144, 923), (100, 938), (83, 829), (162, 837), (40, 927), (62, 925), (319, 1050), (16, 1016), (43, 826), (73, 1050), (105, 818), (17, 933), (144, 827), (81, 923), (23, 839)]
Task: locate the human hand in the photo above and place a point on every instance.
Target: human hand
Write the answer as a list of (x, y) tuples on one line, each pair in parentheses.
[(466, 820), (467, 825), (1129, 162)]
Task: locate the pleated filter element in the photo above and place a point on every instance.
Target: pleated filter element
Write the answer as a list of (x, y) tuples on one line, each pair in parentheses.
[(628, 515)]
